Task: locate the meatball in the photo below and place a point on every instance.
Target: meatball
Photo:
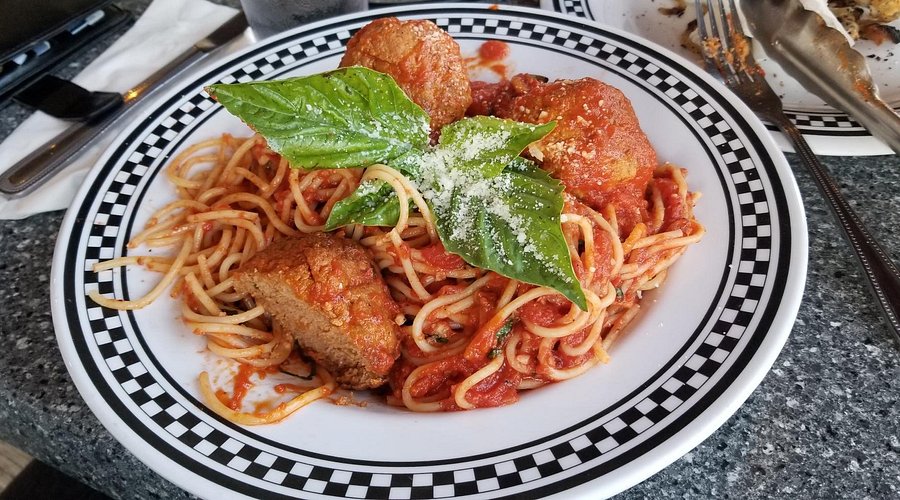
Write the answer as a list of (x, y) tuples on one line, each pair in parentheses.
[(597, 149), (423, 60), (325, 290)]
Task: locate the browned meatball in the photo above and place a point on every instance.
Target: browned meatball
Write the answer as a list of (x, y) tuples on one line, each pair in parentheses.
[(422, 58), (597, 149), (324, 289)]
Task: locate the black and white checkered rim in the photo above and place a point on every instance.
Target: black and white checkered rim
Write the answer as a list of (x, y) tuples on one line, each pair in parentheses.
[(109, 349), (826, 123)]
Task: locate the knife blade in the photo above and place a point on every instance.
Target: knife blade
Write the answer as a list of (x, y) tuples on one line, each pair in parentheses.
[(44, 162), (822, 60)]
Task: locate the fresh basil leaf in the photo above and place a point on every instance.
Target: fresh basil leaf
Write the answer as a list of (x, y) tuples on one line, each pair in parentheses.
[(409, 163), (494, 209), (374, 203), (487, 144), (351, 117), (510, 224)]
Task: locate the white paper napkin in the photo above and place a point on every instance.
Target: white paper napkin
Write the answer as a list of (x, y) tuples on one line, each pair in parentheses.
[(166, 28)]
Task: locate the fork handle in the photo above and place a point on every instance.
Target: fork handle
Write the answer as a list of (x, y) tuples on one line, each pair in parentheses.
[(883, 275)]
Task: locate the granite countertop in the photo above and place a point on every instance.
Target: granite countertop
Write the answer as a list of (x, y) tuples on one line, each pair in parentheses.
[(823, 423)]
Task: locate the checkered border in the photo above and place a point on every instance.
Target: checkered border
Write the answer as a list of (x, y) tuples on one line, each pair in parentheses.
[(827, 123), (244, 460), (578, 8)]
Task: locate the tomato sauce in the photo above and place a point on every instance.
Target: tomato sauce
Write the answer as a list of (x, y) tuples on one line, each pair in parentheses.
[(493, 50), (190, 299), (484, 340), (499, 389), (282, 196), (441, 377), (437, 375), (241, 387), (563, 362), (491, 55), (438, 257), (545, 311), (676, 216), (485, 97)]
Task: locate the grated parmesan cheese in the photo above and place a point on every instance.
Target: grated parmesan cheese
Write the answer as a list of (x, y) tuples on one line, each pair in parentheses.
[(460, 195)]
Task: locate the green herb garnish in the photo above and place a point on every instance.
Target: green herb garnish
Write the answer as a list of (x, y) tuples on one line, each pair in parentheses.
[(351, 117), (500, 339), (493, 208), (372, 204)]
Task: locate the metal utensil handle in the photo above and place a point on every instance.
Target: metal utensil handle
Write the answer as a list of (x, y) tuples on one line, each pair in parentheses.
[(883, 275), (40, 165), (47, 160)]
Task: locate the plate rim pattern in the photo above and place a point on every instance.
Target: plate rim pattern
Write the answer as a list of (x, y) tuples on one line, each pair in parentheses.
[(247, 468)]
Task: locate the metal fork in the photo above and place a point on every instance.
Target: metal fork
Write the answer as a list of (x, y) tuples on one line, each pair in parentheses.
[(726, 52)]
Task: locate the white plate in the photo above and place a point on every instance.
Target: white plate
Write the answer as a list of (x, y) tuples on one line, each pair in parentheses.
[(697, 350), (828, 132)]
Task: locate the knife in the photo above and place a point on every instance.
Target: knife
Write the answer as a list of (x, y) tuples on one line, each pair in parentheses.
[(820, 58), (44, 162)]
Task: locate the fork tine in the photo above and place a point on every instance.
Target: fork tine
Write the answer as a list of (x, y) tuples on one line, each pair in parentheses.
[(714, 21), (726, 37), (709, 59), (739, 44), (736, 17), (712, 45), (725, 16), (725, 49), (701, 22)]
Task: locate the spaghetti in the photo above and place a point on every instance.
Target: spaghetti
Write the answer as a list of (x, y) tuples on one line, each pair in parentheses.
[(470, 337)]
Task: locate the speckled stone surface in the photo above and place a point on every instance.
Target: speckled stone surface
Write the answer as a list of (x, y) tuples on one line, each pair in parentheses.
[(825, 422)]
